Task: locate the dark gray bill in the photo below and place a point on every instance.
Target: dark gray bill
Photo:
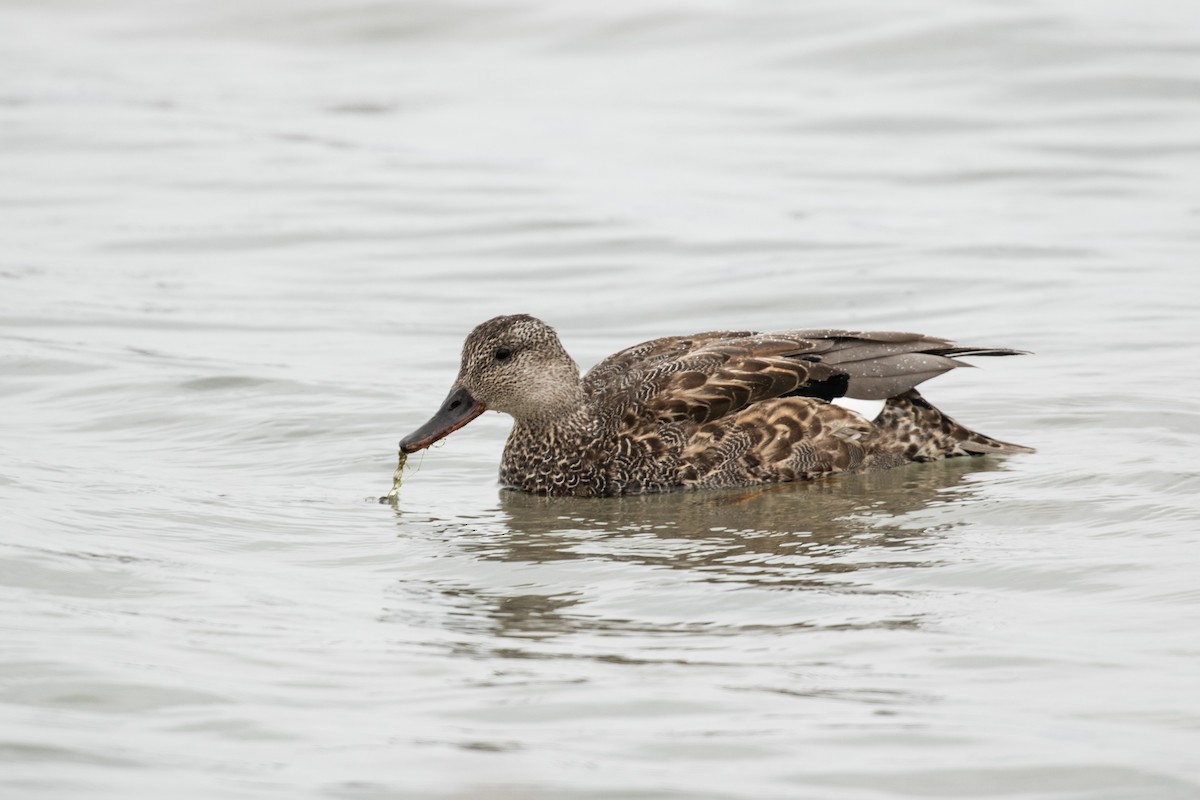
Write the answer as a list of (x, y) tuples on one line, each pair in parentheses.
[(457, 410)]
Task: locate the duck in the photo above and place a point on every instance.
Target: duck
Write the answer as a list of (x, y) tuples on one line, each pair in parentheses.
[(718, 409)]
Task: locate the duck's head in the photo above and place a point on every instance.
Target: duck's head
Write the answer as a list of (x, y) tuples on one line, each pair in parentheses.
[(514, 364)]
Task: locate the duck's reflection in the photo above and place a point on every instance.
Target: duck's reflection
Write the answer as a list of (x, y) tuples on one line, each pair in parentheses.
[(812, 536), (715, 530)]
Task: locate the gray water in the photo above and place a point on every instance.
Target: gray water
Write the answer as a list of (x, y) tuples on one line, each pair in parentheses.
[(240, 245)]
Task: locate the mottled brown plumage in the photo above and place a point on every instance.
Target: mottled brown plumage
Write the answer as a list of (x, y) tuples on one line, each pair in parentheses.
[(723, 408)]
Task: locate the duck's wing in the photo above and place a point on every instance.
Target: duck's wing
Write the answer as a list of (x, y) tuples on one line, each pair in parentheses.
[(884, 364), (709, 375)]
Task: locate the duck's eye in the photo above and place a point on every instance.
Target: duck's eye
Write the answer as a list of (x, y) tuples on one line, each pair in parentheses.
[(502, 353)]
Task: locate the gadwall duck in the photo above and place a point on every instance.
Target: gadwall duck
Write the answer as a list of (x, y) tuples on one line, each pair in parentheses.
[(717, 409)]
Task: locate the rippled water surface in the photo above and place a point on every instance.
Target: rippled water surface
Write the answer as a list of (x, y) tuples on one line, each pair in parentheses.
[(240, 245)]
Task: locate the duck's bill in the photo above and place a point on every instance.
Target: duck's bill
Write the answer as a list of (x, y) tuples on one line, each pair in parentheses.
[(457, 410)]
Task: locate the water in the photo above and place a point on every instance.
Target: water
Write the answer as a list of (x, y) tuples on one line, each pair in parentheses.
[(240, 247)]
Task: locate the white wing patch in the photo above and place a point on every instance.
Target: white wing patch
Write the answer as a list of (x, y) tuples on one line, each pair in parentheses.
[(868, 408)]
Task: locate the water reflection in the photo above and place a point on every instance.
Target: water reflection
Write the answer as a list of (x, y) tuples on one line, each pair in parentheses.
[(729, 532), (826, 539)]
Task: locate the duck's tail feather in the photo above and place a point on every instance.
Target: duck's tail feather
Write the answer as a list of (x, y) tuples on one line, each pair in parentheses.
[(912, 429)]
